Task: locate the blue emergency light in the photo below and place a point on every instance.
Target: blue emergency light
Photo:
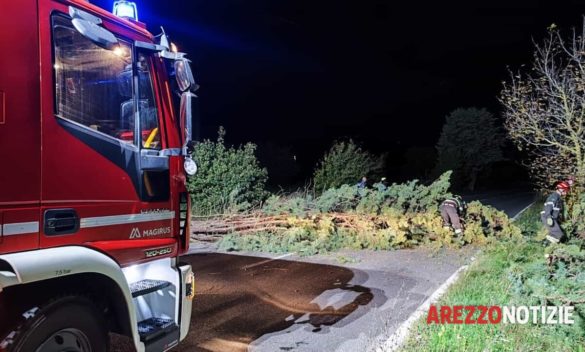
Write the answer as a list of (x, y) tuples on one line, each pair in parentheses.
[(125, 9)]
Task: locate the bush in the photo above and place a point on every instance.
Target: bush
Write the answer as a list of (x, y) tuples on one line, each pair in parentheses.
[(229, 178), (574, 226), (558, 276), (556, 279), (345, 163)]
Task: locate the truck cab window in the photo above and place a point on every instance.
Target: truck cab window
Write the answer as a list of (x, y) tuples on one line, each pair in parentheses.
[(89, 82), (148, 110), (93, 86)]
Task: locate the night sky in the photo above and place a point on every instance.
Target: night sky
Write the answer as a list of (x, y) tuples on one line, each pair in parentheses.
[(304, 73)]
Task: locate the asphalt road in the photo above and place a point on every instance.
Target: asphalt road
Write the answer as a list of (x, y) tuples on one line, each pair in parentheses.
[(248, 302), (511, 201), (251, 301)]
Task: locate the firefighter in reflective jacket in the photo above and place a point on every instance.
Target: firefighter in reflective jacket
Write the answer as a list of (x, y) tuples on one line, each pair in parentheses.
[(452, 210), (553, 210)]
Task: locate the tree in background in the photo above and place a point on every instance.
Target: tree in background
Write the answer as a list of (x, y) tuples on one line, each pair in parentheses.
[(545, 109), (228, 178), (345, 163), (469, 143)]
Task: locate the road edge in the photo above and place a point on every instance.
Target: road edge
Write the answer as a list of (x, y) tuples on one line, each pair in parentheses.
[(397, 339)]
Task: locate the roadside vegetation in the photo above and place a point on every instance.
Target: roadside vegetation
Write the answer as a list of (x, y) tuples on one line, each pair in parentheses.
[(515, 272), (380, 218), (230, 203), (345, 163), (229, 179)]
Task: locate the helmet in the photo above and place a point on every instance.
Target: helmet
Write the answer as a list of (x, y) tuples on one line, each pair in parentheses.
[(563, 186)]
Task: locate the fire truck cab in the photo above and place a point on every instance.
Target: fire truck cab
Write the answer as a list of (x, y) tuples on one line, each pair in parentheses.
[(95, 143)]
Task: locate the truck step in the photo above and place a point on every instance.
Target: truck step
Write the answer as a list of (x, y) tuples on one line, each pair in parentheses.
[(144, 287), (153, 328)]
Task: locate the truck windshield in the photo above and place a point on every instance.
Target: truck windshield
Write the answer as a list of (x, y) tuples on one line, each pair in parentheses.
[(93, 86)]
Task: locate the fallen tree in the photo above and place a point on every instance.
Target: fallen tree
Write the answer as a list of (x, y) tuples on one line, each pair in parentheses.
[(399, 216)]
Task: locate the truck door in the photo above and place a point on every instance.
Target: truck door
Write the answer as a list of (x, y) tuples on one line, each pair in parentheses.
[(105, 182), (20, 130)]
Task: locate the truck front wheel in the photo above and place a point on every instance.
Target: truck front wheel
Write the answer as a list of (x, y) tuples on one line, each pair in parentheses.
[(70, 323)]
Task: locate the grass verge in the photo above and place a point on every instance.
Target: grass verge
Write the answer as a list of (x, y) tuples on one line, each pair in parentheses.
[(509, 273)]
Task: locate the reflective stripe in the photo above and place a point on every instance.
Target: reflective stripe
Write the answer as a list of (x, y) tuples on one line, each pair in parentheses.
[(554, 208), (19, 228), (551, 203), (124, 219)]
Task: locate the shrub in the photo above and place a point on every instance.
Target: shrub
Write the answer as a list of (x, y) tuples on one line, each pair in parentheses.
[(557, 279), (574, 226), (345, 163), (229, 178)]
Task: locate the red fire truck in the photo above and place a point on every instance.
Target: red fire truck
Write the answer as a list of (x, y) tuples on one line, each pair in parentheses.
[(95, 142)]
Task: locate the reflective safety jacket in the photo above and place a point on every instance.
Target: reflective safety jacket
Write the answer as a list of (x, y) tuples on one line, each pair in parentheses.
[(553, 206), (456, 203)]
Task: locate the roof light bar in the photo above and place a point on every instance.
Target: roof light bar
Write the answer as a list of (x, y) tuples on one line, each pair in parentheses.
[(125, 9)]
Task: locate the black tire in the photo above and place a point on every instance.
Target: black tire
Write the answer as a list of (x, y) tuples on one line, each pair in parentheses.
[(70, 323)]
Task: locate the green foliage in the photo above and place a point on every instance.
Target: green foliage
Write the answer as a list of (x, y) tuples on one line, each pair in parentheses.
[(339, 199), (555, 275), (485, 222), (345, 163), (507, 273), (406, 197), (398, 216), (573, 223), (297, 206), (469, 142), (228, 179), (555, 278)]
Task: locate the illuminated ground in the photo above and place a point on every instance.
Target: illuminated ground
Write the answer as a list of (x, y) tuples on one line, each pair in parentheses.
[(345, 301)]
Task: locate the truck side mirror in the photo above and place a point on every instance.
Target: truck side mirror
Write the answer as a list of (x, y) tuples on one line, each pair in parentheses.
[(184, 76), (188, 112)]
